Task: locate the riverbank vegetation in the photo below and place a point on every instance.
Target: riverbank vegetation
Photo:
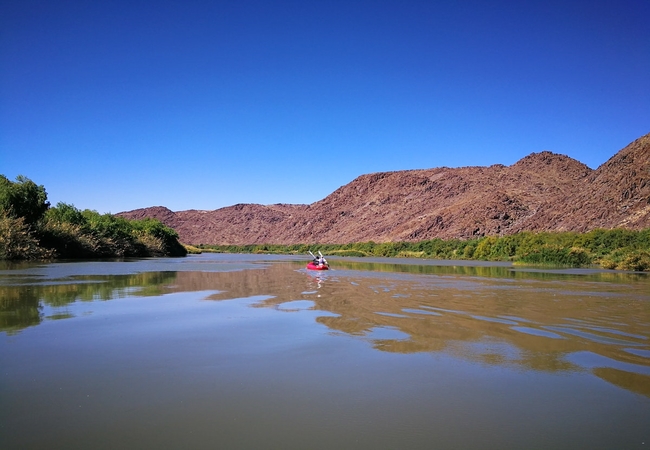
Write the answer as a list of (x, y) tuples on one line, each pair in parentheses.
[(31, 229), (610, 249)]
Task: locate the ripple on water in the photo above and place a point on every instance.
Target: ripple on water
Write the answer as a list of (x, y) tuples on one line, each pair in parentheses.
[(638, 352), (515, 318), (442, 309), (401, 316), (537, 332), (493, 319), (421, 311), (591, 336), (617, 332)]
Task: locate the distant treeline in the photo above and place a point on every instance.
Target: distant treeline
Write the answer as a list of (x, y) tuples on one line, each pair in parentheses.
[(31, 229), (611, 249)]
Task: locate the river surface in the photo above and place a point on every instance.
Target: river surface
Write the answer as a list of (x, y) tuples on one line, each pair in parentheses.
[(256, 352)]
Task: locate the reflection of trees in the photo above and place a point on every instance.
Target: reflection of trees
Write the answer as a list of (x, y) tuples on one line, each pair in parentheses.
[(19, 308), (448, 269), (21, 305), (499, 270), (104, 287)]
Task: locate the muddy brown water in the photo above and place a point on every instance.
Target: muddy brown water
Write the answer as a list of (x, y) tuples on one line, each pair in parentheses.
[(256, 352)]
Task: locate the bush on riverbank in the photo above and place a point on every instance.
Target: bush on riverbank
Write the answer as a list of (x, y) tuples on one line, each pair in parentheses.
[(17, 242), (611, 249), (74, 233), (31, 229)]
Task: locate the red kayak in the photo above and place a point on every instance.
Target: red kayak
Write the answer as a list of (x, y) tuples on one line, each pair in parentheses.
[(313, 266)]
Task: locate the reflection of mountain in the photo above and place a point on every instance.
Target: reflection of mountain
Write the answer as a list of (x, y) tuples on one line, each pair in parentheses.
[(634, 382), (489, 315), (520, 320)]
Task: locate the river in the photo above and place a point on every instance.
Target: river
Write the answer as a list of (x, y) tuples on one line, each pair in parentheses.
[(256, 352)]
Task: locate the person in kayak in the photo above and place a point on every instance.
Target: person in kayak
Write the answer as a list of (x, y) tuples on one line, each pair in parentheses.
[(319, 260)]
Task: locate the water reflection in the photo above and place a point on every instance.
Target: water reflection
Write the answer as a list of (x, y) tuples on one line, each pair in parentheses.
[(481, 269), (529, 322), (488, 315), (22, 302)]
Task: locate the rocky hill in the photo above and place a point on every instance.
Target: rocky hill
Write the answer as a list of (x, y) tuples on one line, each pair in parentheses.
[(541, 192)]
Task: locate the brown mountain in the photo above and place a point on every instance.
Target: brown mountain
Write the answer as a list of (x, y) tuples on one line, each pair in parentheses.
[(541, 192)]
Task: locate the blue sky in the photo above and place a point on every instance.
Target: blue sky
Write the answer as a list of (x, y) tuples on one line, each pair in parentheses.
[(118, 105)]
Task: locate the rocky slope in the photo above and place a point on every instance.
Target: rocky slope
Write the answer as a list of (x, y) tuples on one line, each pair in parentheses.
[(541, 192)]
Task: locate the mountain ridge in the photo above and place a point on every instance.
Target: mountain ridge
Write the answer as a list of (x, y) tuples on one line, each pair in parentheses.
[(543, 191)]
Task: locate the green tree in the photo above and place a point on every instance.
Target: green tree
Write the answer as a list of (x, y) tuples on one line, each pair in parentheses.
[(23, 198), (65, 213)]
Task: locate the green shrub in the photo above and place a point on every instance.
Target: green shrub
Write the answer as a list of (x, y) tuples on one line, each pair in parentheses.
[(484, 248), (68, 241), (192, 249), (17, 241), (555, 255), (469, 250), (638, 261)]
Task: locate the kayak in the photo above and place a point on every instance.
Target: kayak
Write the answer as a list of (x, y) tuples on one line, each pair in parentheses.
[(312, 266)]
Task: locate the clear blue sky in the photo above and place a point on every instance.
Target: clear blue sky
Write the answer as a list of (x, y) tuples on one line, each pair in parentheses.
[(117, 105)]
